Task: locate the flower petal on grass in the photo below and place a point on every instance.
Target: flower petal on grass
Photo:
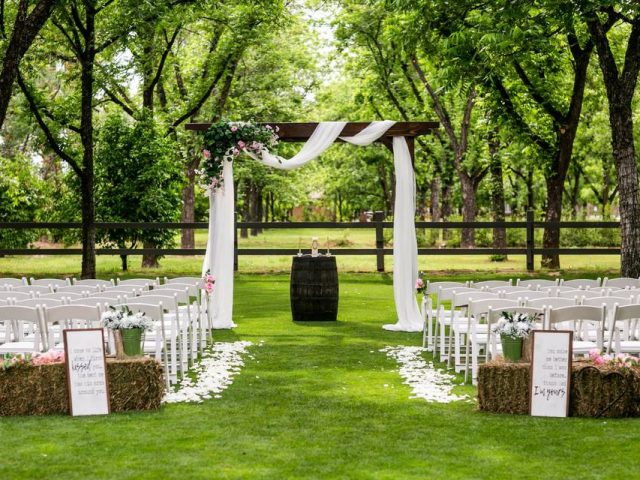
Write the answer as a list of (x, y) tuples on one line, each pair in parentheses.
[(424, 379)]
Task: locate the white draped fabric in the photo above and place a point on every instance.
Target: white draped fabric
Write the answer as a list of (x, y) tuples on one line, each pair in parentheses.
[(219, 257)]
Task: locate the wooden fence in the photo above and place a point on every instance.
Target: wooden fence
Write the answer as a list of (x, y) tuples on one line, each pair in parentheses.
[(377, 223)]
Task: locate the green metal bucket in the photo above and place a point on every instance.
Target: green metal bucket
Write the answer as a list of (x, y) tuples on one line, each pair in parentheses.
[(132, 341), (511, 348)]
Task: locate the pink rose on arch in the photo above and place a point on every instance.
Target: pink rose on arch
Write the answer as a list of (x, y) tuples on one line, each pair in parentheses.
[(241, 144), (419, 283), (234, 128), (207, 154)]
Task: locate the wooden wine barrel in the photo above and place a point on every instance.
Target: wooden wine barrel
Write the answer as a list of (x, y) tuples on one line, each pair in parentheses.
[(314, 288)]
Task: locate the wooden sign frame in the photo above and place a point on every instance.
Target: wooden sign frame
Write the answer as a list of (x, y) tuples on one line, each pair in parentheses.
[(537, 333), (68, 367)]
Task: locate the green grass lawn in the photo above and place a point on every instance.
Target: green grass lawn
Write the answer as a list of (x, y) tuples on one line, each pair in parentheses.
[(312, 403)]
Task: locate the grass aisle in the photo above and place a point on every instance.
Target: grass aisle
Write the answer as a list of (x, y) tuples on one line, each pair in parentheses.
[(312, 403)]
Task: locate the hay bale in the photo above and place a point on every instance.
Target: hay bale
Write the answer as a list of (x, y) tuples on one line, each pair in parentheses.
[(134, 384), (504, 388)]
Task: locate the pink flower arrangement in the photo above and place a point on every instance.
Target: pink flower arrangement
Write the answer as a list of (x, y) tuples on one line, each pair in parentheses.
[(10, 360), (241, 144), (621, 360), (207, 154), (420, 285), (52, 356), (208, 282), (234, 128)]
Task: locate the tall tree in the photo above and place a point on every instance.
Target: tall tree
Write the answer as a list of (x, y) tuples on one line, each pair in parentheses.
[(620, 79)]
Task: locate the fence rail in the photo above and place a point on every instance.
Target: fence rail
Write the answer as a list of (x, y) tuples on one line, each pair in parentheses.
[(378, 224)]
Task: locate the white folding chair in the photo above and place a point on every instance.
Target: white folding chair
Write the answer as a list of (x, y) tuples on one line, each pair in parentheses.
[(142, 283), (13, 282), (158, 344), (81, 289), (187, 280), (52, 282), (507, 289), (22, 327), (581, 319), (130, 292), (68, 316), (622, 282), (491, 283), (429, 338), (533, 295), (477, 333), (536, 283), (609, 303), (553, 291), (626, 329), (94, 282), (33, 289), (582, 283), (550, 302), (11, 295), (444, 317), (459, 327), (61, 295)]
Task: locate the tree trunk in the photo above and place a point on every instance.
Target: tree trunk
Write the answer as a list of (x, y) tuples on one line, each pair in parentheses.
[(551, 237), (188, 205), (625, 159), (467, 239), (86, 134), (25, 29), (497, 193), (575, 194), (150, 260), (123, 260)]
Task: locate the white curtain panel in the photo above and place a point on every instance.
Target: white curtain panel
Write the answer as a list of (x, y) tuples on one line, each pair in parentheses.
[(219, 257)]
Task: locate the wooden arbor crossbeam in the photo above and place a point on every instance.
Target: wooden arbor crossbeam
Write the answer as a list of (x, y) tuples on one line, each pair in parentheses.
[(300, 132)]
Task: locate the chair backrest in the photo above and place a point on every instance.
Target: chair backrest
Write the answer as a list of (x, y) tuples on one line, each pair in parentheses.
[(130, 292), (14, 295), (550, 302), (496, 313), (170, 301), (94, 282), (145, 283), (580, 294), (630, 294), (79, 289), (54, 282), (609, 302), (70, 316), (508, 288), (553, 291), (478, 308), (434, 287), (491, 283), (153, 311), (93, 301), (191, 288), (580, 318), (517, 295), (448, 293), (11, 314), (583, 283), (33, 289), (187, 280), (181, 294), (463, 299), (622, 282), (34, 302), (536, 283), (13, 282), (60, 295), (532, 295)]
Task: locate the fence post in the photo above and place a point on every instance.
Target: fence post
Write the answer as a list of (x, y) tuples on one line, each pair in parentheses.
[(530, 241), (235, 241), (378, 218)]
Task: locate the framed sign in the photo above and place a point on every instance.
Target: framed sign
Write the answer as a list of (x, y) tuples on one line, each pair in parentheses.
[(86, 371), (551, 359)]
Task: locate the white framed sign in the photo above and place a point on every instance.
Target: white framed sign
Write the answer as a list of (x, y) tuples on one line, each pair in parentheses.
[(86, 371), (551, 358)]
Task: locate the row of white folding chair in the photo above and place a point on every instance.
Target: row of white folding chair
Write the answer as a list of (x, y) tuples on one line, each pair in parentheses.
[(622, 282)]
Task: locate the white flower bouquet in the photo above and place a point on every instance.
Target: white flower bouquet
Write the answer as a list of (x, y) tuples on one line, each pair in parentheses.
[(515, 325), (124, 319)]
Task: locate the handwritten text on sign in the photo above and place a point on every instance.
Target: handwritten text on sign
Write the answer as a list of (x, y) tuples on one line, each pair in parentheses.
[(551, 373), (86, 371)]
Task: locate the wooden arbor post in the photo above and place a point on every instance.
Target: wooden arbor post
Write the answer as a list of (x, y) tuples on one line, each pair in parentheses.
[(300, 132)]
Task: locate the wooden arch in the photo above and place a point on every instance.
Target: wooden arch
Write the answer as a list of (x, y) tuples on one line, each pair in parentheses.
[(300, 132)]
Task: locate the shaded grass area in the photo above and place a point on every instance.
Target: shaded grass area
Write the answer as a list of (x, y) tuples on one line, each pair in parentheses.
[(312, 403)]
